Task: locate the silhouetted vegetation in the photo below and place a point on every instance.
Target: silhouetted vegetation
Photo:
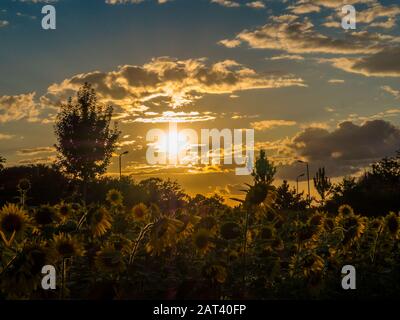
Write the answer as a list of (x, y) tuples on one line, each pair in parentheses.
[(128, 239)]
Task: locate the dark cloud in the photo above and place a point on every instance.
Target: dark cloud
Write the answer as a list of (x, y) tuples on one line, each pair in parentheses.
[(346, 150), (385, 63)]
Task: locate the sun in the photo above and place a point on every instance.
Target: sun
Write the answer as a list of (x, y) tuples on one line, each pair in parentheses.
[(173, 145)]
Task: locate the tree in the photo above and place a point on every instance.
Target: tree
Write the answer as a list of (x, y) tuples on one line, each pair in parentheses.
[(85, 141), (264, 170), (322, 184), (289, 199), (2, 161)]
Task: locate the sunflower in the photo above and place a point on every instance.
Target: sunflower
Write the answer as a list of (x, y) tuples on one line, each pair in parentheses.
[(329, 224), (109, 259), (267, 233), (353, 228), (119, 242), (24, 275), (306, 233), (230, 231), (345, 210), (202, 240), (163, 234), (24, 185), (140, 212), (66, 246), (316, 220), (13, 220), (392, 224), (64, 210), (114, 197), (99, 221), (188, 222), (45, 215), (310, 264)]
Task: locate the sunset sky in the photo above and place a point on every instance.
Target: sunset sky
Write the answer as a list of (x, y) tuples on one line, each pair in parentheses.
[(309, 88)]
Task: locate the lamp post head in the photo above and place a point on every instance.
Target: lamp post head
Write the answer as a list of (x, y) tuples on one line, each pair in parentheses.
[(123, 153)]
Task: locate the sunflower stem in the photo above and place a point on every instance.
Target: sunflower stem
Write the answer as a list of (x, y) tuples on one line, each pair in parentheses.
[(137, 242)]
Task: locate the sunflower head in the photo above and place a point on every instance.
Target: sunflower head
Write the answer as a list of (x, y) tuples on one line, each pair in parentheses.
[(345, 210), (230, 231), (309, 264), (45, 215), (202, 240), (24, 185), (392, 224), (109, 259), (140, 212), (13, 219), (375, 224), (163, 235), (329, 224), (119, 242), (316, 220), (64, 210), (353, 228), (267, 233), (24, 275), (66, 246), (99, 221), (114, 197)]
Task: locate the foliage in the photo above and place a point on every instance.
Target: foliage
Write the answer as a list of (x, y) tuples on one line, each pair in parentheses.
[(85, 141), (2, 162), (289, 199), (322, 184), (194, 250), (375, 193)]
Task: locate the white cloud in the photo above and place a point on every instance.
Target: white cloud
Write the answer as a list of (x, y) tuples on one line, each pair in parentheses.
[(226, 3), (256, 5)]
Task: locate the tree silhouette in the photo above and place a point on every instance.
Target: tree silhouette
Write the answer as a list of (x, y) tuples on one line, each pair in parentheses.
[(2, 161), (322, 184), (264, 170), (85, 140), (289, 199)]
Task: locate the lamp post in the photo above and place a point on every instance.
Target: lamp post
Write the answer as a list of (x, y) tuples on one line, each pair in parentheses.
[(308, 177), (120, 160), (297, 182)]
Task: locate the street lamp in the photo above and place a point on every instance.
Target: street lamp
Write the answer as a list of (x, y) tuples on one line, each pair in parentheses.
[(308, 177), (297, 181), (120, 156)]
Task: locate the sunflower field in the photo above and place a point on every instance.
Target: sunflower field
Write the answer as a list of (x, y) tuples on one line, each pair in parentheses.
[(199, 250)]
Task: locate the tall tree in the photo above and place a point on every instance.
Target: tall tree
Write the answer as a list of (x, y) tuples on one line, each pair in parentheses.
[(85, 141)]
